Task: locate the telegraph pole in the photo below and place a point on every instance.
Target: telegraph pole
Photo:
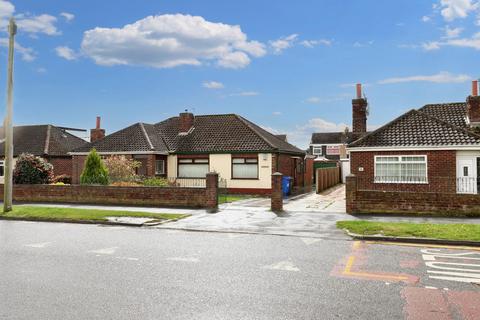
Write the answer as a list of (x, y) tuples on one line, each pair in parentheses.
[(8, 174)]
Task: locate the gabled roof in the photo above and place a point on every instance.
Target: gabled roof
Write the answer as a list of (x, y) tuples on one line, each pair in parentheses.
[(41, 140), (417, 128), (210, 134)]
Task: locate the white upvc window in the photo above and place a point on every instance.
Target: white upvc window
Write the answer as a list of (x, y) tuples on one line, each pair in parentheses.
[(2, 168), (317, 151), (193, 168), (401, 169), (159, 167)]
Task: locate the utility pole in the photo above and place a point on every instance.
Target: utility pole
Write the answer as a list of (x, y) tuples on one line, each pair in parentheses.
[(8, 174)]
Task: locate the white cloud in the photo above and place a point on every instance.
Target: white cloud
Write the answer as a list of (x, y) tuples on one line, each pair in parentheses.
[(313, 100), (41, 70), (66, 53), (283, 43), (441, 77), (43, 23), (452, 32), (426, 18), (358, 44), (328, 99), (313, 43), (457, 9), (432, 45), (276, 113), (27, 54), (171, 40), (68, 16), (245, 94), (353, 85), (213, 85)]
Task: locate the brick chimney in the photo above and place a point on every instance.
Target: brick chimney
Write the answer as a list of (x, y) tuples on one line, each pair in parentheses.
[(97, 133), (473, 106), (186, 120), (359, 112)]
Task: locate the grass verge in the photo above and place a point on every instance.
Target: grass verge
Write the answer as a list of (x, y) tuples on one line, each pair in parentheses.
[(74, 214), (470, 232), (232, 198)]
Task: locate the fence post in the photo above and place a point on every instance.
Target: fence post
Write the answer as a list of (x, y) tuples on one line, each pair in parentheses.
[(277, 197), (351, 193), (211, 192)]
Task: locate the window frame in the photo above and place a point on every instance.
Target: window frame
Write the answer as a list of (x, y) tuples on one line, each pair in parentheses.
[(317, 154), (400, 161), (163, 167), (245, 158), (194, 160), (2, 164)]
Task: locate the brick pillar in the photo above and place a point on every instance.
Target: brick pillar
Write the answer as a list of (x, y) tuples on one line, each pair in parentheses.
[(277, 196), (351, 193), (212, 192)]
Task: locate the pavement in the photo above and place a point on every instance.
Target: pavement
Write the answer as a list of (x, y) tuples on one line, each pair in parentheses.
[(72, 271)]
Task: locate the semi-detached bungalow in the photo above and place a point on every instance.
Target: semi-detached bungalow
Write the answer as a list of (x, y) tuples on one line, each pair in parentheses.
[(48, 141), (433, 149), (187, 146)]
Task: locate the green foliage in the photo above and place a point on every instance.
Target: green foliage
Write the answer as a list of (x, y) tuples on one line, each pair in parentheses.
[(30, 169), (155, 182), (121, 168), (63, 178), (94, 171)]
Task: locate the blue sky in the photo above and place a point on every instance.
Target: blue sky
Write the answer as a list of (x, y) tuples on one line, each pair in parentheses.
[(286, 65)]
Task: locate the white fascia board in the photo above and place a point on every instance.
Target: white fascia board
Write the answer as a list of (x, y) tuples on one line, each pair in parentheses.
[(326, 144), (414, 148), (120, 152)]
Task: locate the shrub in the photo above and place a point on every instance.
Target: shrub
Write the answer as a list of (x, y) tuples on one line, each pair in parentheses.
[(95, 171), (63, 178), (125, 184), (121, 169), (155, 182), (30, 169)]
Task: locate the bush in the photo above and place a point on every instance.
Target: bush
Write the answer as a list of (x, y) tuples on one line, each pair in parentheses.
[(155, 182), (63, 178), (30, 169), (125, 184), (121, 169), (95, 171)]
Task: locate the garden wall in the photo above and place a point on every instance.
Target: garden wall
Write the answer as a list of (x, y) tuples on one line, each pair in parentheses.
[(409, 202), (130, 196)]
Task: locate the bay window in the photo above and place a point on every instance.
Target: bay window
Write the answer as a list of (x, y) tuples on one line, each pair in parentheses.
[(244, 168), (401, 169), (193, 168)]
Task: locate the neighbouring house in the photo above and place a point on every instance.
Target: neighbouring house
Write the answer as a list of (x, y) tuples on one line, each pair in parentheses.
[(48, 141), (333, 145), (434, 150), (187, 146)]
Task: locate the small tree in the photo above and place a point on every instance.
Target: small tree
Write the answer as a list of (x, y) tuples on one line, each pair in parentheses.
[(94, 171), (121, 168), (30, 169)]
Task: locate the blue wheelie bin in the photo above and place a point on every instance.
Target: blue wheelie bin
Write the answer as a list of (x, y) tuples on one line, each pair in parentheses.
[(286, 185)]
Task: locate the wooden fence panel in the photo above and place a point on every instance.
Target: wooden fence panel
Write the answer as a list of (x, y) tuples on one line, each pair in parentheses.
[(327, 178)]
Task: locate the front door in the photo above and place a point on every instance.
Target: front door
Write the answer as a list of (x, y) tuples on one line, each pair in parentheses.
[(466, 175)]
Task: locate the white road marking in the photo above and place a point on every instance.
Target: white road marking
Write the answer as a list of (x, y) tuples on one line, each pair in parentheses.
[(452, 270), (429, 287), (127, 258), (184, 259), (38, 245), (283, 265), (309, 241), (105, 250)]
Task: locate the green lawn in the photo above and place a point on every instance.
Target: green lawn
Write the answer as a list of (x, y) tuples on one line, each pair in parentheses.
[(73, 214), (420, 230), (232, 198)]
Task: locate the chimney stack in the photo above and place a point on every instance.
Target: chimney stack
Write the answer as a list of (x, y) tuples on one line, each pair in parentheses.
[(186, 120), (473, 106), (359, 113), (97, 133)]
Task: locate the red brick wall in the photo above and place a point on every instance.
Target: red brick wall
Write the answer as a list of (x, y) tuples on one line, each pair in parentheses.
[(61, 165), (140, 196), (441, 171)]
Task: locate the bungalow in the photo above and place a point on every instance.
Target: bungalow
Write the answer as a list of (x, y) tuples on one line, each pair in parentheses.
[(187, 146), (434, 149), (48, 141)]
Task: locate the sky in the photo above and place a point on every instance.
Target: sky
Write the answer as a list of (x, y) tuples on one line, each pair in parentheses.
[(289, 66)]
